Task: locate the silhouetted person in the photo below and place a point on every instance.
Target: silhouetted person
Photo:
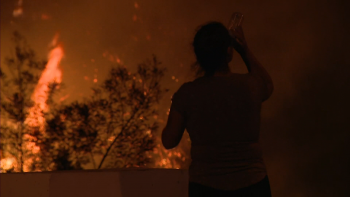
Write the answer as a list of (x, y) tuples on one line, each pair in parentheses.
[(221, 112)]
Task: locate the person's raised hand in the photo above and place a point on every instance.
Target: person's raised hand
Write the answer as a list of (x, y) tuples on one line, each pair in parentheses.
[(238, 40)]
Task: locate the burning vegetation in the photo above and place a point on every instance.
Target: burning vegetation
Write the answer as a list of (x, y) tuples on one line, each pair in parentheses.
[(115, 127)]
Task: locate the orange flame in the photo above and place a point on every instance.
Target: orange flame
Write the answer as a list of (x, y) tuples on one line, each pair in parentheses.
[(167, 158), (8, 163), (51, 73)]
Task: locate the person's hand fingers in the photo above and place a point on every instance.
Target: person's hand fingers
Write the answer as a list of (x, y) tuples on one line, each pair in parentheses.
[(239, 35), (239, 32), (238, 40)]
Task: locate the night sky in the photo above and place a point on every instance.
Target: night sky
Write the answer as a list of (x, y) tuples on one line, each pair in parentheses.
[(303, 44)]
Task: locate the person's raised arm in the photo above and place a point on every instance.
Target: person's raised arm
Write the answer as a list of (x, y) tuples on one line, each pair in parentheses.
[(253, 65)]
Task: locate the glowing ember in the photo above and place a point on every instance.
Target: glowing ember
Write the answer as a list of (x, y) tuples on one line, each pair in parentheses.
[(95, 77), (134, 38), (45, 17), (111, 138), (111, 57), (64, 97), (18, 11)]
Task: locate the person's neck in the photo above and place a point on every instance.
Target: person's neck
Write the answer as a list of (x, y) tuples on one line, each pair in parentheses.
[(223, 71)]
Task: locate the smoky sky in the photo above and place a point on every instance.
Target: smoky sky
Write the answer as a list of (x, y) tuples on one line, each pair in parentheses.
[(303, 44)]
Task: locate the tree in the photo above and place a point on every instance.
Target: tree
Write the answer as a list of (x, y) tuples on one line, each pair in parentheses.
[(17, 84), (113, 128)]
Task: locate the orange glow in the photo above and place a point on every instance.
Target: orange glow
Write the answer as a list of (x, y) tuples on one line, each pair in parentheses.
[(111, 138), (166, 158), (45, 17), (136, 5), (64, 98), (8, 163), (51, 73), (114, 58), (134, 38), (17, 12), (134, 18), (111, 58)]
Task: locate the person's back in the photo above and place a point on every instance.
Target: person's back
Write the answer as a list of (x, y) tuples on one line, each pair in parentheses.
[(225, 105), (223, 120), (221, 112)]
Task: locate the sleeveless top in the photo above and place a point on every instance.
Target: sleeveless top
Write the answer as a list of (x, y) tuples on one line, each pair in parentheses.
[(223, 121)]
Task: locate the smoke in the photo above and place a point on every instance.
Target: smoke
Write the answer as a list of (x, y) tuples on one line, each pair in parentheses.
[(302, 43)]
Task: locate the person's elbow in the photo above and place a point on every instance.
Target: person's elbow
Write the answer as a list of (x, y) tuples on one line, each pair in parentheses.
[(269, 91), (173, 131), (168, 144), (168, 141), (270, 88)]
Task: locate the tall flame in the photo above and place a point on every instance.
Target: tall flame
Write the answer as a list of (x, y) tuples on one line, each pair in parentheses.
[(51, 73)]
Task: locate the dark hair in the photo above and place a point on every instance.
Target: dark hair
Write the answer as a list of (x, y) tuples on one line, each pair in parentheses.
[(210, 47)]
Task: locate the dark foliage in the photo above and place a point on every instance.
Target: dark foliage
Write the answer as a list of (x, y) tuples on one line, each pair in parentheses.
[(113, 128), (18, 80)]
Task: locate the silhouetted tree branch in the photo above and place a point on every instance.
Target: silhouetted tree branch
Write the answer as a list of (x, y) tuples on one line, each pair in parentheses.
[(24, 70), (115, 124)]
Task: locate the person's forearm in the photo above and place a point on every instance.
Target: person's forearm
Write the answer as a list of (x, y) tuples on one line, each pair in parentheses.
[(255, 68)]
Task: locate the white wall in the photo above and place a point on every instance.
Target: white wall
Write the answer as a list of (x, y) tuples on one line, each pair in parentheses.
[(103, 183)]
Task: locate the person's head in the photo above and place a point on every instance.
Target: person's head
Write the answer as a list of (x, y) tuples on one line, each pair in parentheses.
[(212, 47)]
